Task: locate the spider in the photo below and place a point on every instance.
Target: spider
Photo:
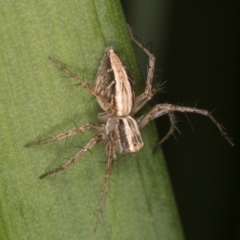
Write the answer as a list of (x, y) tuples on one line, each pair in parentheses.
[(120, 131)]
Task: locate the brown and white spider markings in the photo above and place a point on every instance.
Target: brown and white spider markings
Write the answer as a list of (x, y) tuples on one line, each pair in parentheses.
[(114, 91)]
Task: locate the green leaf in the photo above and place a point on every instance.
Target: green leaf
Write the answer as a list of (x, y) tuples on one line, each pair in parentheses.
[(38, 101)]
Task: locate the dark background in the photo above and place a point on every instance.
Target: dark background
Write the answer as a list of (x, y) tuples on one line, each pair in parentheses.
[(196, 43)]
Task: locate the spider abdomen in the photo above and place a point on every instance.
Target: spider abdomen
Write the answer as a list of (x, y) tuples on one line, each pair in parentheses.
[(114, 83)]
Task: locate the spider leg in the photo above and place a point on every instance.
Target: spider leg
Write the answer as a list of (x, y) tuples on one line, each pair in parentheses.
[(73, 159), (66, 134), (142, 99), (81, 82), (170, 131), (111, 158), (144, 120), (162, 109)]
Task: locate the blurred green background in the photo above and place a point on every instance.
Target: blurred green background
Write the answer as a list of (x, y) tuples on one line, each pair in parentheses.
[(38, 101), (197, 47)]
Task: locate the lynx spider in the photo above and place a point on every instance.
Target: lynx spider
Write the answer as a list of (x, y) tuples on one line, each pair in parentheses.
[(121, 132)]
